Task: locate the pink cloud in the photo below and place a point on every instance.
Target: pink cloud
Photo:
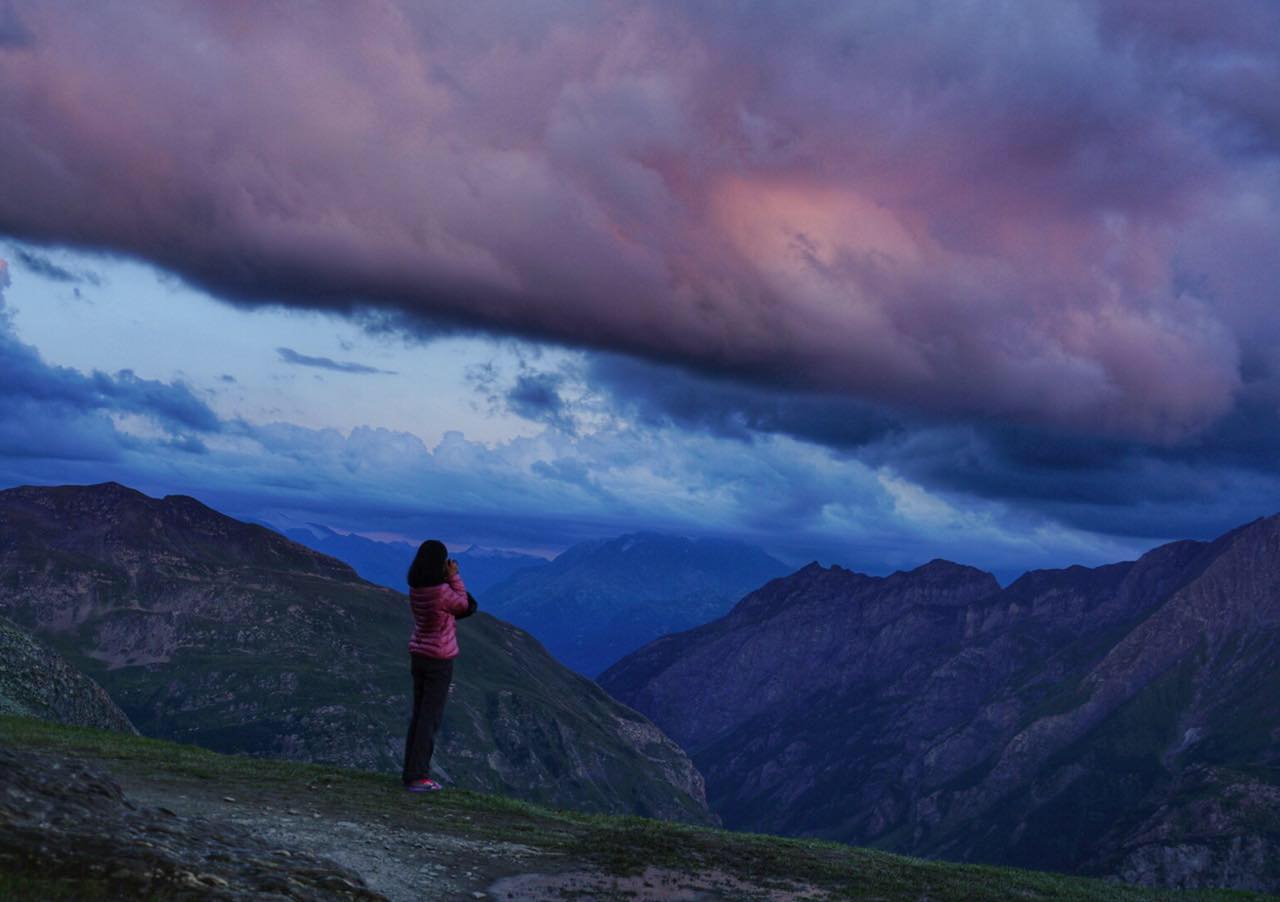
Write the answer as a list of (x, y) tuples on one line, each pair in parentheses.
[(990, 212)]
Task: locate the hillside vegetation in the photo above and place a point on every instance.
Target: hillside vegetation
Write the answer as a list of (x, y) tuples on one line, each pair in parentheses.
[(225, 634), (341, 833)]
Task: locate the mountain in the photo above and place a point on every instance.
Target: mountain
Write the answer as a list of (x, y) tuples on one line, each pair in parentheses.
[(38, 682), (224, 634), (386, 563), (484, 568), (1118, 721), (600, 600)]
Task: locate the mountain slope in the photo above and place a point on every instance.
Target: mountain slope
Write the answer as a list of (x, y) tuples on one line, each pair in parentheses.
[(225, 634), (173, 819), (37, 681), (600, 600), (1120, 720)]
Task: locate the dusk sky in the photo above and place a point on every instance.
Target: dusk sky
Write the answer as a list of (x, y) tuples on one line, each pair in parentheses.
[(866, 282)]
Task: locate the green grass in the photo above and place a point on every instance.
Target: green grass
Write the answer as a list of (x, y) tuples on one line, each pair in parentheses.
[(615, 845)]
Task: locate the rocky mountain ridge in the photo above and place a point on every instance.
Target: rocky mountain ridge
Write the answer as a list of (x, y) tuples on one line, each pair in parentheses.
[(227, 635), (1119, 720)]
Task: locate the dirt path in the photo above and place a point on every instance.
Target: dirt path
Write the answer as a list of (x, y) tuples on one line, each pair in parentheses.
[(402, 862), (409, 862)]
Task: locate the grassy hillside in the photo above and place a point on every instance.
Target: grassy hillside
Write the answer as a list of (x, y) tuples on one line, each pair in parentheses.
[(224, 634), (496, 843)]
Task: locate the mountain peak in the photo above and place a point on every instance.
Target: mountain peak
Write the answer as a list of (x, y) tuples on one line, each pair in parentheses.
[(601, 599), (96, 490), (940, 568), (115, 518), (110, 487), (477, 552)]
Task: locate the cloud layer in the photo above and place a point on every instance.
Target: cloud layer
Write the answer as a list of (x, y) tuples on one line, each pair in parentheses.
[(600, 467), (1055, 215)]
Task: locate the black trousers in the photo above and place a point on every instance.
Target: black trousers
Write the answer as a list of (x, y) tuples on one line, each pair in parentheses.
[(431, 678)]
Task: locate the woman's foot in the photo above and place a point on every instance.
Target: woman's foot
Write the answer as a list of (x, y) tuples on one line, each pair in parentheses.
[(426, 784)]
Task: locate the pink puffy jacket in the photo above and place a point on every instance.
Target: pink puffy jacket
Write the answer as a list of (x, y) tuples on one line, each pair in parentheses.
[(434, 609)]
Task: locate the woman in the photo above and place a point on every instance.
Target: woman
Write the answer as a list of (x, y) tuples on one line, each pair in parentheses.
[(438, 598)]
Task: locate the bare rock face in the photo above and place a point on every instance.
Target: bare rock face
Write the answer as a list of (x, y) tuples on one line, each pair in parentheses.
[(1120, 720), (1216, 828), (36, 681), (227, 635)]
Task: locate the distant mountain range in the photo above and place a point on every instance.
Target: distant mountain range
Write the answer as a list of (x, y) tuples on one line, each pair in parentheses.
[(1123, 720), (387, 563), (596, 601), (225, 634), (599, 600)]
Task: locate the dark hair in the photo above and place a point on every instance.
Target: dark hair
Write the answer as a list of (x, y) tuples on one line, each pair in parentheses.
[(427, 568)]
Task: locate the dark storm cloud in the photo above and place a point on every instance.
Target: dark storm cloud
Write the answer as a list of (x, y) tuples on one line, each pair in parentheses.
[(172, 403), (730, 409), (288, 355), (23, 375), (44, 408), (1011, 212), (1198, 488), (536, 396)]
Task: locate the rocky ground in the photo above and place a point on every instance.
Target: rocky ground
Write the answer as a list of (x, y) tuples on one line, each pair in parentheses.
[(70, 823), (158, 834), (87, 814)]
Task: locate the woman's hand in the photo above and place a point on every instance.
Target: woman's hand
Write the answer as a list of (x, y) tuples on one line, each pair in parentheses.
[(450, 568)]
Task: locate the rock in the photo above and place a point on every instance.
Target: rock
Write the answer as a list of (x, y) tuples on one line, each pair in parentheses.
[(61, 819)]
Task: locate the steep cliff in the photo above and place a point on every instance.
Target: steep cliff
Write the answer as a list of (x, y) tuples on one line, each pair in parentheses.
[(225, 634), (1120, 720)]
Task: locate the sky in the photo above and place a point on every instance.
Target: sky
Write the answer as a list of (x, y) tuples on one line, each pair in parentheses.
[(868, 283)]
